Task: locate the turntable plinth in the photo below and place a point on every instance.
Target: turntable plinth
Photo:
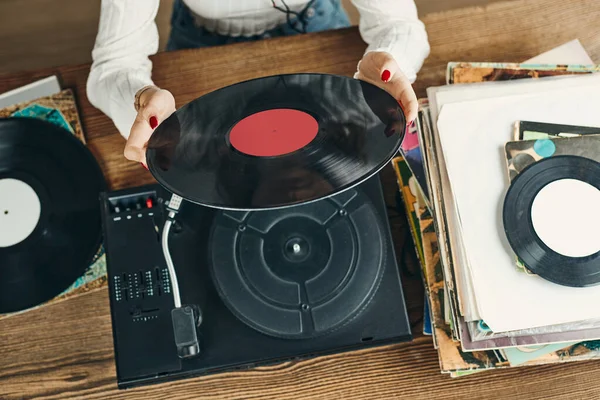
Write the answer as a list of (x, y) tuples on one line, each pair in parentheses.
[(66, 351)]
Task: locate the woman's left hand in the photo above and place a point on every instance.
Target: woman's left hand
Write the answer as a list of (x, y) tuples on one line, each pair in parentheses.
[(379, 68)]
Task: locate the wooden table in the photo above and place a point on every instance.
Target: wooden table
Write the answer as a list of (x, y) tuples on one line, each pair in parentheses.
[(66, 351)]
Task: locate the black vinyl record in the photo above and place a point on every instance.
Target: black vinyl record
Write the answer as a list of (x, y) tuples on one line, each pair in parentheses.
[(50, 227), (519, 228), (277, 141)]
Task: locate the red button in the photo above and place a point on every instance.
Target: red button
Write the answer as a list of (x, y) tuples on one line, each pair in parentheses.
[(149, 203)]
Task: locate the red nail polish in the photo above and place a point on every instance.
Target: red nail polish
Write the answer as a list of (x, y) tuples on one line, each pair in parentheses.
[(153, 122), (144, 165), (385, 76)]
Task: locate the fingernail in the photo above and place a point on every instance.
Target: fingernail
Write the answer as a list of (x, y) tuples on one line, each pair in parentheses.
[(153, 122), (144, 165), (385, 76)]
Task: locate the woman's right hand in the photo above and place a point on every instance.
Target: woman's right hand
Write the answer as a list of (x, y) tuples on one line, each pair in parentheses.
[(155, 105)]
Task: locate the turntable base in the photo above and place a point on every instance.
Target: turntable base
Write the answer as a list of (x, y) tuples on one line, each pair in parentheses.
[(272, 285)]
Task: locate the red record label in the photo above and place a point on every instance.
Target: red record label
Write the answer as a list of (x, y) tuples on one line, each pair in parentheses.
[(273, 132)]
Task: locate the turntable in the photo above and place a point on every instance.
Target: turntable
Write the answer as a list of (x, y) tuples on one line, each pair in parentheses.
[(290, 258)]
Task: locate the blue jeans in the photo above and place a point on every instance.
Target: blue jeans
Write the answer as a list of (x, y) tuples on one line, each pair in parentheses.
[(185, 34)]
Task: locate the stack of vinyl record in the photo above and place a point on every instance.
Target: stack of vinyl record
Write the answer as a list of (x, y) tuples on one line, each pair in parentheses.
[(503, 187)]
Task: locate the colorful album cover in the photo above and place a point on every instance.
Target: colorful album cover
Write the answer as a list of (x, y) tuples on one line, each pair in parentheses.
[(437, 208), (527, 130), (410, 196), (520, 154), (473, 72), (423, 232), (411, 204), (520, 355), (413, 154), (572, 332), (457, 362), (61, 109), (436, 205), (453, 359)]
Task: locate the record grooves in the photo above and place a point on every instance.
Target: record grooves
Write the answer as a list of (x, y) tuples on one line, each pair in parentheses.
[(232, 149), (519, 228), (49, 212)]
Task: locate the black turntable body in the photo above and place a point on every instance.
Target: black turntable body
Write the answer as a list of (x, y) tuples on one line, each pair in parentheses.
[(271, 285), (265, 238)]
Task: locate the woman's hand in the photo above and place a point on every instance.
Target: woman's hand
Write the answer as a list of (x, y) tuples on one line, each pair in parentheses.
[(155, 105), (379, 68)]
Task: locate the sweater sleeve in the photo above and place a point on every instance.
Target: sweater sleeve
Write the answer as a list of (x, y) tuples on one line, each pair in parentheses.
[(127, 36), (394, 26)]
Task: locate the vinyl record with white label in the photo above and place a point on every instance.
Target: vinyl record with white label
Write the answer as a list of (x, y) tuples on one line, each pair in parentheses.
[(49, 211), (552, 219)]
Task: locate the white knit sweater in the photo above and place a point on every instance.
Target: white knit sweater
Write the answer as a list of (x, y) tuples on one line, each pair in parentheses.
[(127, 35)]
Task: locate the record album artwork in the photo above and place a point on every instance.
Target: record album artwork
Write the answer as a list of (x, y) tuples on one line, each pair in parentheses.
[(523, 153), (59, 109), (528, 130), (413, 152), (473, 72)]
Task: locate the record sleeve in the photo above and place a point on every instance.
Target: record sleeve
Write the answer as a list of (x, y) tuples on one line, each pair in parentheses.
[(410, 193), (456, 361), (440, 206), (523, 153), (527, 130), (472, 72), (59, 109), (413, 152), (483, 200)]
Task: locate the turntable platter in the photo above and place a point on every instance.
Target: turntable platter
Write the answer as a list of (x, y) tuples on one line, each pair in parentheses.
[(301, 272)]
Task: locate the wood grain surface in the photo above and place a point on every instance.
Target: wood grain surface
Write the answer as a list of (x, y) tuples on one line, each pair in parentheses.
[(38, 34), (65, 351)]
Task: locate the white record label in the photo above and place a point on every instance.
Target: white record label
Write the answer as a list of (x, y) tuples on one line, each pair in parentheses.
[(20, 211), (566, 217)]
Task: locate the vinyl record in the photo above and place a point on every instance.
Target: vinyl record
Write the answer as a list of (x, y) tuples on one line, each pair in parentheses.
[(552, 264), (49, 211), (276, 142)]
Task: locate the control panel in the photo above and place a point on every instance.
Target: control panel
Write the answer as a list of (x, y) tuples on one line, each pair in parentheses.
[(139, 283), (132, 286)]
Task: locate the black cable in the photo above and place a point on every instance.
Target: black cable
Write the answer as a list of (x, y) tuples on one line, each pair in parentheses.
[(299, 15)]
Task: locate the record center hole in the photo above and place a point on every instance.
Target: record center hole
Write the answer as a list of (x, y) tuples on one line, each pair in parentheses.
[(5, 212), (563, 227)]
